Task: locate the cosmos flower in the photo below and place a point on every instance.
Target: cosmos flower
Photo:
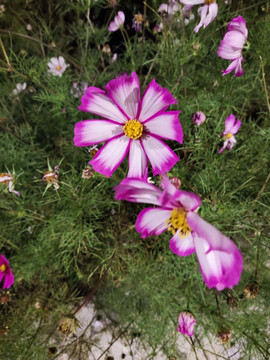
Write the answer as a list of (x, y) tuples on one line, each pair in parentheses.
[(19, 88), (51, 177), (231, 128), (219, 258), (130, 124), (57, 66), (117, 22), (186, 323), (198, 118), (137, 22), (207, 12), (231, 46), (77, 90), (8, 179), (5, 272), (171, 8)]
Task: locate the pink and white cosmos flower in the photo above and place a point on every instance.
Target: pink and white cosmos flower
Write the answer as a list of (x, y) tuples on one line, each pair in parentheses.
[(5, 272), (231, 128), (171, 8), (207, 12), (232, 45), (186, 323), (130, 124), (57, 66), (219, 258), (117, 22)]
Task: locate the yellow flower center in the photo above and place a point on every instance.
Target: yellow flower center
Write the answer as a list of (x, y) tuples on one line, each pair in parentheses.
[(178, 221), (208, 2), (3, 267), (228, 136), (133, 129), (138, 18), (58, 67)]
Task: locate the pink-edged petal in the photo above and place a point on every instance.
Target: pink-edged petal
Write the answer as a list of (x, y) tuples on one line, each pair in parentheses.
[(161, 157), (212, 13), (91, 132), (182, 246), (186, 323), (152, 221), (187, 200), (229, 124), (155, 99), (220, 260), (238, 70), (203, 13), (230, 68), (238, 24), (137, 161), (121, 17), (110, 156), (235, 39), (192, 2), (125, 92), (227, 52), (236, 127), (165, 125), (137, 190), (97, 102), (9, 279)]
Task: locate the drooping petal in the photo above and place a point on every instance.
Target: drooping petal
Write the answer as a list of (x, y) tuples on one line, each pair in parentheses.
[(110, 156), (165, 125), (212, 13), (238, 24), (203, 12), (91, 132), (220, 260), (137, 190), (231, 67), (182, 246), (161, 157), (97, 102), (155, 99), (152, 221), (137, 161), (229, 124), (125, 92), (238, 70)]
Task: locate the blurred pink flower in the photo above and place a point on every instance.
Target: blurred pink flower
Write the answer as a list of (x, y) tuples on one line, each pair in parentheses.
[(198, 118), (131, 124), (8, 179), (77, 90), (231, 128), (232, 45), (171, 8), (137, 22), (57, 66), (220, 260), (207, 12), (5, 272), (117, 22), (186, 323)]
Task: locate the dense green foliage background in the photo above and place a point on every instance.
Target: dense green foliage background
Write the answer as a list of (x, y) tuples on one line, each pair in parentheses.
[(60, 244)]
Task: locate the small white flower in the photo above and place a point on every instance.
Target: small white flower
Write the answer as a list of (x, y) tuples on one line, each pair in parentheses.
[(114, 57), (57, 66), (19, 88), (29, 27)]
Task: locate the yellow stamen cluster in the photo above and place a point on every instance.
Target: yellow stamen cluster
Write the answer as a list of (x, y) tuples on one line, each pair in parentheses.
[(133, 129), (228, 136), (3, 267), (50, 178), (178, 221), (6, 175), (209, 2), (58, 67), (138, 18)]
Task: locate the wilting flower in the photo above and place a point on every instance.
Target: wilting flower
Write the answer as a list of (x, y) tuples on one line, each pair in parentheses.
[(57, 66), (137, 22), (186, 323), (251, 290), (93, 150), (19, 88), (117, 22), (207, 12), (224, 335), (176, 182), (51, 177), (67, 326), (198, 118), (8, 179), (158, 28), (231, 46), (88, 172), (77, 90), (219, 258), (231, 128), (5, 272), (130, 124), (171, 8)]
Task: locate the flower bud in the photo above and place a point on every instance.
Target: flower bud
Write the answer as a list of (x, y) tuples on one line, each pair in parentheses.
[(198, 118)]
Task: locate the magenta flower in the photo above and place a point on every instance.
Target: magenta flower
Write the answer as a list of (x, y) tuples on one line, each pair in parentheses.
[(186, 323), (5, 272), (219, 258), (130, 124), (231, 128), (57, 66), (117, 22), (198, 118), (208, 12), (231, 46)]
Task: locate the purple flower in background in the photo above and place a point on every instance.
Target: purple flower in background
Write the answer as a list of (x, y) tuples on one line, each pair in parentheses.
[(220, 260), (117, 22), (130, 124), (207, 12), (231, 128), (5, 272), (186, 323), (198, 118), (171, 8), (57, 66), (77, 90), (137, 22), (231, 46)]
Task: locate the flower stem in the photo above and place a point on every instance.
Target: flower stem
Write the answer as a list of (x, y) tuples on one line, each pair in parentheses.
[(264, 83)]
